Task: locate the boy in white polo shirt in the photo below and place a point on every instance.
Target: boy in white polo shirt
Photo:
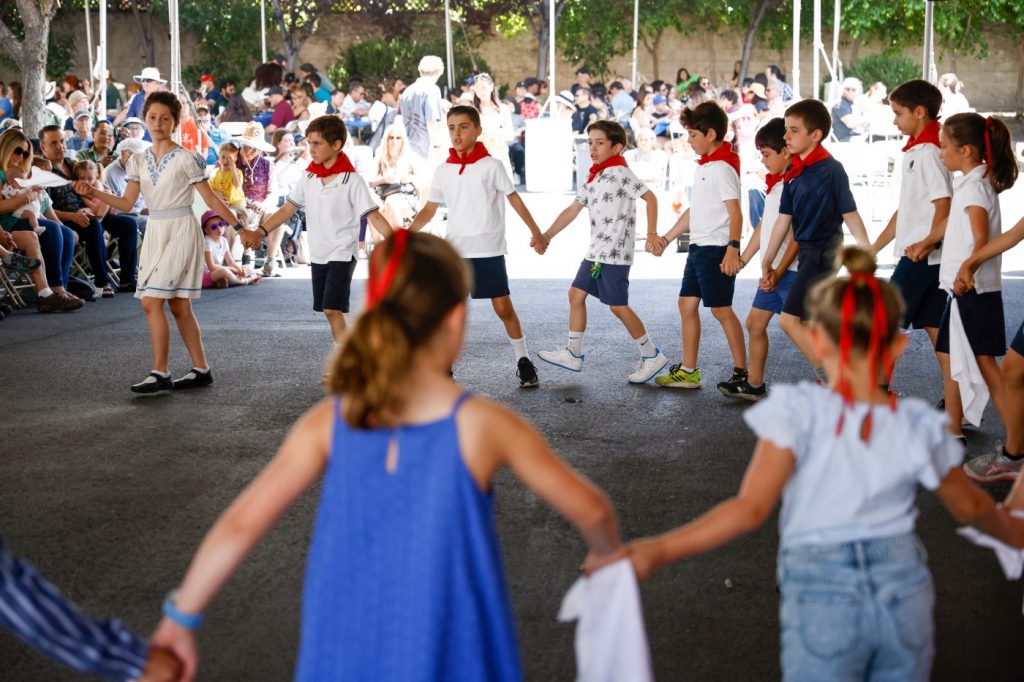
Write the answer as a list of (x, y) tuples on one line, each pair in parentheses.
[(335, 198), (919, 223), (715, 221), (474, 186), (610, 195)]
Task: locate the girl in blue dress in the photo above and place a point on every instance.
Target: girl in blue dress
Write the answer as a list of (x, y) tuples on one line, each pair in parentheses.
[(404, 579)]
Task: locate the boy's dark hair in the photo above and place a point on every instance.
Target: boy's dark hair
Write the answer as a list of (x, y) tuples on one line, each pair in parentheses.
[(918, 93), (616, 85), (585, 91), (986, 134), (615, 133), (704, 117), (52, 128), (315, 79), (226, 82), (167, 99), (730, 95), (465, 110), (331, 128), (814, 115), (772, 135)]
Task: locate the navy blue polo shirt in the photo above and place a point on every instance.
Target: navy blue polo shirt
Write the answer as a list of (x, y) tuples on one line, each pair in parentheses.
[(817, 200)]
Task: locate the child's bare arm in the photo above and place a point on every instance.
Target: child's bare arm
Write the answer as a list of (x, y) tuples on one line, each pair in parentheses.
[(731, 262), (888, 234), (857, 229), (101, 209), (562, 221), (652, 213), (208, 257), (979, 226), (769, 470), (425, 215), (936, 234), (520, 208), (753, 245), (779, 230), (972, 506), (1004, 242), (379, 223), (680, 226)]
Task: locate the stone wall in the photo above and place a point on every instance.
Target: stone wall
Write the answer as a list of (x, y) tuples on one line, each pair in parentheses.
[(990, 83)]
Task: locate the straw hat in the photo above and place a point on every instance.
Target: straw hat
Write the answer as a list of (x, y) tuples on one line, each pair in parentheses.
[(253, 136), (758, 90), (565, 97), (49, 90), (75, 97), (150, 73)]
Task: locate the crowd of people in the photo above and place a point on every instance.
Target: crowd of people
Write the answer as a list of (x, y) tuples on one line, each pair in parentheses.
[(825, 448)]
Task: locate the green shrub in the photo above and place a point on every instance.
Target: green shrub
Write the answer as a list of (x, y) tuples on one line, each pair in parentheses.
[(889, 68)]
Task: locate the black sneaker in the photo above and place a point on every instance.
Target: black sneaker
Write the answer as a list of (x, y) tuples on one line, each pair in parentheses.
[(741, 388), (154, 383), (527, 374), (194, 379)]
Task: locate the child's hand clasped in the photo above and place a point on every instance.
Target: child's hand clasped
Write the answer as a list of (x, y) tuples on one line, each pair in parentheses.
[(83, 188), (539, 243), (964, 280), (731, 264)]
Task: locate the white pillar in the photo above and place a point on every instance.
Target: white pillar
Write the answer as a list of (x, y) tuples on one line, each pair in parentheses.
[(928, 61), (263, 31), (88, 37), (636, 34), (551, 55), (794, 74), (449, 50), (836, 24), (816, 39), (103, 58)]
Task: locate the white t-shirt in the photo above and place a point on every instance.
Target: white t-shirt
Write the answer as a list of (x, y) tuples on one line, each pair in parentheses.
[(420, 104), (218, 248), (476, 206), (844, 489), (332, 214), (925, 179), (714, 183), (971, 190), (772, 201), (611, 200)]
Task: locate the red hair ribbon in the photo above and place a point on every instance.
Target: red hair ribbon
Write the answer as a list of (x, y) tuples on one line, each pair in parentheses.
[(877, 350), (989, 124), (379, 282)]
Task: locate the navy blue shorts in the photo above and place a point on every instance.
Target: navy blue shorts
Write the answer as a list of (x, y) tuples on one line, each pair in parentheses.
[(490, 278), (772, 301), (982, 316), (703, 277), (1018, 340), (332, 285), (814, 264), (611, 288), (918, 283)]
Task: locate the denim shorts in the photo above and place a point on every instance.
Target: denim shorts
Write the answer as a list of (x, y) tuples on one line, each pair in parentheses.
[(857, 611), (611, 287)]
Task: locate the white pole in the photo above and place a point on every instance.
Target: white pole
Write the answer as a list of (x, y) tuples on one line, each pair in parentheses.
[(836, 22), (263, 31), (103, 58), (88, 37), (552, 92), (816, 70), (794, 74), (449, 53), (636, 33), (928, 62), (175, 79)]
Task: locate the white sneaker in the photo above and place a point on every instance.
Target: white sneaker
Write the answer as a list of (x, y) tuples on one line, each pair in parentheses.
[(648, 368), (564, 358)]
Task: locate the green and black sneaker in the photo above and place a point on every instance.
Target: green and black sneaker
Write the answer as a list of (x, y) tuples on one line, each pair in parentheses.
[(739, 387)]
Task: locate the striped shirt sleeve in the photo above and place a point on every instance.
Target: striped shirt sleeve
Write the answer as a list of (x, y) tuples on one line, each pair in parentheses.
[(33, 609)]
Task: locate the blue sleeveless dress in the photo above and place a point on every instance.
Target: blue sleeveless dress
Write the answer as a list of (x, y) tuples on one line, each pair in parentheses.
[(404, 580)]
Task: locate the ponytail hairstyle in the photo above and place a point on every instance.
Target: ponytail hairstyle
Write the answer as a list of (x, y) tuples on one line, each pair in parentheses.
[(416, 279), (991, 139), (861, 314)]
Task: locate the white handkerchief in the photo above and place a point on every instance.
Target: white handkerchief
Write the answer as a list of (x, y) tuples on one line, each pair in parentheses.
[(611, 643), (41, 178), (1010, 558), (964, 369)]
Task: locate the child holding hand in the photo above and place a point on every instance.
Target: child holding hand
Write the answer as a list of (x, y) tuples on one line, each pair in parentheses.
[(846, 459), (404, 579)]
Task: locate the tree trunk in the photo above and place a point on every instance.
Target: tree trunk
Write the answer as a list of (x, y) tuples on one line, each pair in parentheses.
[(30, 55), (652, 46), (1019, 96), (750, 36), (146, 30)]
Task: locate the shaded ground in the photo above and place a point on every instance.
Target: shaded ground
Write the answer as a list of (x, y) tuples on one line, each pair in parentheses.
[(110, 495)]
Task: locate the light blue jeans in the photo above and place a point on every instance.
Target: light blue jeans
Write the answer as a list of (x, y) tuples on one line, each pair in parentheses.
[(857, 611)]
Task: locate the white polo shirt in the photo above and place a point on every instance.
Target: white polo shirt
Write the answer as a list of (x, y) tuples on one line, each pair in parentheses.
[(713, 184), (971, 190), (925, 179), (772, 201), (332, 214), (476, 206)]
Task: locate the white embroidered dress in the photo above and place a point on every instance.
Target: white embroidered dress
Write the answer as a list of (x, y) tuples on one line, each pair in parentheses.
[(171, 264)]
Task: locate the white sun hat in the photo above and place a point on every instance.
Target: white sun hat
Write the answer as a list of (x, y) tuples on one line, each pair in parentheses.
[(150, 73), (254, 136)]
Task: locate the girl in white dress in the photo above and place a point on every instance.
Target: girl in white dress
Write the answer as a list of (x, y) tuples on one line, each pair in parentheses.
[(171, 265)]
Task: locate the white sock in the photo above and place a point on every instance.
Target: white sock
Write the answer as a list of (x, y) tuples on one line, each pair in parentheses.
[(576, 342), (201, 370), (44, 293), (519, 348), (646, 346), (688, 370)]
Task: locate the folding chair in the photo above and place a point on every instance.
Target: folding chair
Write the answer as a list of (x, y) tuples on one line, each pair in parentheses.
[(11, 283)]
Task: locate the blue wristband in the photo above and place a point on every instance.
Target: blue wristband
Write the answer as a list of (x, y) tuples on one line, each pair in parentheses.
[(189, 621)]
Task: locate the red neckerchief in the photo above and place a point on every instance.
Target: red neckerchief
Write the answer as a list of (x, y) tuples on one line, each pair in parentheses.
[(772, 180), (341, 165), (930, 135), (798, 165), (723, 153), (479, 151), (616, 160)]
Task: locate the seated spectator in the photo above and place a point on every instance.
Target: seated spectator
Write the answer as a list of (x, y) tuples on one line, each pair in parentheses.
[(847, 123), (237, 110), (953, 99), (757, 97), (300, 105), (320, 93), (395, 180), (33, 205), (227, 180), (528, 107), (89, 173), (283, 114), (116, 178), (192, 137), (265, 77), (337, 99), (78, 102), (773, 98), (115, 96), (219, 268), (81, 138), (583, 78), (259, 188), (585, 113), (355, 104), (775, 78), (306, 70), (622, 103), (224, 93), (102, 149), (134, 127), (382, 114), (647, 162), (661, 116), (641, 117)]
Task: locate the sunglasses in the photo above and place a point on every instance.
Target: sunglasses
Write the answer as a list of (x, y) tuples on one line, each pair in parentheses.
[(20, 151), (216, 226)]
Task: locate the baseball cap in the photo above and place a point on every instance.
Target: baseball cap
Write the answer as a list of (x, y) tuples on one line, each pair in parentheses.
[(660, 99), (133, 120), (206, 78), (209, 217), (276, 90), (83, 114)]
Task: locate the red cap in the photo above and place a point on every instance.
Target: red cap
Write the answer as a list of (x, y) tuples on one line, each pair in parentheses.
[(206, 77)]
